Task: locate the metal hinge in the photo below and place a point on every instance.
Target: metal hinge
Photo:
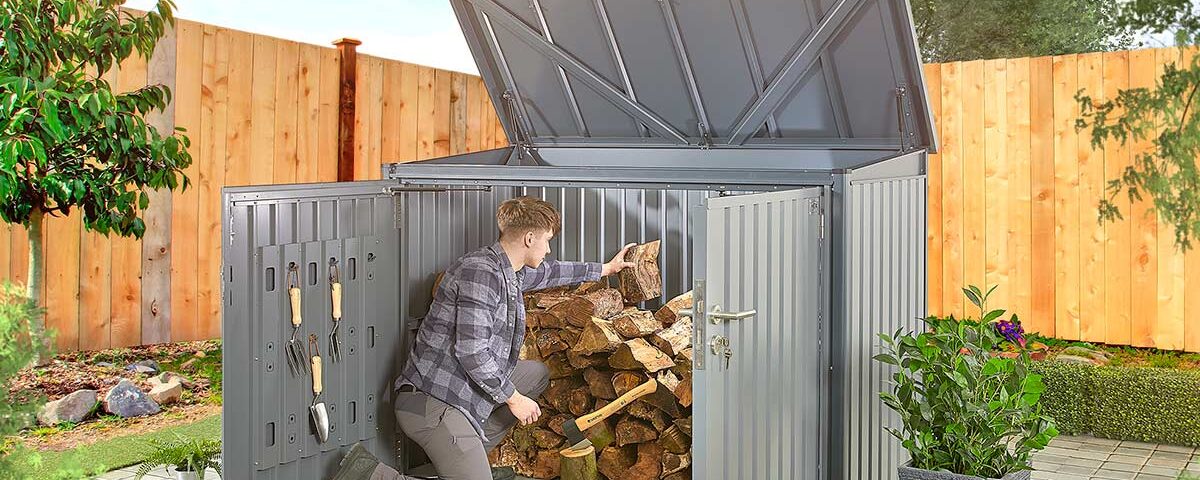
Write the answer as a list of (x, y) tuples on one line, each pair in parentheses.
[(904, 107), (815, 208), (398, 211)]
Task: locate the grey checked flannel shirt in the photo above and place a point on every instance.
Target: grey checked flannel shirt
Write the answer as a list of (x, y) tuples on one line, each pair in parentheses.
[(469, 343)]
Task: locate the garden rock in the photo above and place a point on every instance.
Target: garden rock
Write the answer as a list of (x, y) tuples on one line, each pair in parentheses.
[(144, 366), (72, 408), (1074, 359), (1078, 354), (167, 393), (166, 378), (187, 366), (105, 365), (126, 400)]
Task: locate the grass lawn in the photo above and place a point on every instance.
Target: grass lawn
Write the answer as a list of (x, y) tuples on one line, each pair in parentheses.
[(117, 452)]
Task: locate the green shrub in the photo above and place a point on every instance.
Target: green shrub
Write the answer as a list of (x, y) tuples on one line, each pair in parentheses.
[(1124, 403)]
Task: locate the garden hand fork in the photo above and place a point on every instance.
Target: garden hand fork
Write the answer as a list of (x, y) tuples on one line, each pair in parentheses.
[(335, 288), (297, 361)]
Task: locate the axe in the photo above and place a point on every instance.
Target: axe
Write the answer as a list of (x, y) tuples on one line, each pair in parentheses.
[(574, 427)]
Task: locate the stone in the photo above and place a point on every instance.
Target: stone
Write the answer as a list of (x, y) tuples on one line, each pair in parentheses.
[(188, 365), (144, 366), (1074, 359), (165, 378), (105, 365), (167, 393), (126, 400), (1095, 357), (72, 408)]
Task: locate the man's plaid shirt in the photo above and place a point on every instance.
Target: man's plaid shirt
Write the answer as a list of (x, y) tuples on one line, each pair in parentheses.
[(469, 343)]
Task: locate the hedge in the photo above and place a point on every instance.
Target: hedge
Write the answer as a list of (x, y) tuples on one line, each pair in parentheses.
[(1125, 403)]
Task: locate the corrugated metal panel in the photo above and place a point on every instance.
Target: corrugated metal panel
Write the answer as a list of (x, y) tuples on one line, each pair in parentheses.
[(884, 290), (761, 416), (267, 429)]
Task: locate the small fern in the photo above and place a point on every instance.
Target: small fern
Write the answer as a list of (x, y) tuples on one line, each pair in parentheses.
[(186, 454)]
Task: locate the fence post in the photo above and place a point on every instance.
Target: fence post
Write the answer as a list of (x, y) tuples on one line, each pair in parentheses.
[(348, 71)]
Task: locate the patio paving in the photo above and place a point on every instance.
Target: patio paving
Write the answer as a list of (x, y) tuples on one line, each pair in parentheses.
[(1091, 458)]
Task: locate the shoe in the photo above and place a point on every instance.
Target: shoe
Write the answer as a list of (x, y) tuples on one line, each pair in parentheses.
[(503, 473), (358, 464)]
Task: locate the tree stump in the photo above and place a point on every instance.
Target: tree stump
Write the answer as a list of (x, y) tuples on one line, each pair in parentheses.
[(578, 464)]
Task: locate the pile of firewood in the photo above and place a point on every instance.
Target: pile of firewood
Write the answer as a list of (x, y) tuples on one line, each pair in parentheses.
[(599, 345)]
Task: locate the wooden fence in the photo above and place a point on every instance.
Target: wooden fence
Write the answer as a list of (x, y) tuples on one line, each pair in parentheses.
[(1013, 200), (259, 110)]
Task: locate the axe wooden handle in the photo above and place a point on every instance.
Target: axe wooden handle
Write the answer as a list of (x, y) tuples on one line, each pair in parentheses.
[(294, 293), (587, 421), (337, 300)]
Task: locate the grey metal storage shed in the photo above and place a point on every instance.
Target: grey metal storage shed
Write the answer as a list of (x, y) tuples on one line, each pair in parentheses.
[(776, 147)]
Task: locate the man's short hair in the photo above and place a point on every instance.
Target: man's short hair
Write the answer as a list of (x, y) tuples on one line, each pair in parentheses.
[(520, 215)]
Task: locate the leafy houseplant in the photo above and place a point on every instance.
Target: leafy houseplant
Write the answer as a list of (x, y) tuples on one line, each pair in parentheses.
[(190, 457), (965, 411)]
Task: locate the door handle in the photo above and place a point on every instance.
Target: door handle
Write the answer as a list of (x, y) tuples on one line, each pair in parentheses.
[(716, 315)]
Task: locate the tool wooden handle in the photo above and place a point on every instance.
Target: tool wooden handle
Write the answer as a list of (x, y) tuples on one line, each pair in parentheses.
[(587, 421), (294, 293), (316, 371), (337, 300)]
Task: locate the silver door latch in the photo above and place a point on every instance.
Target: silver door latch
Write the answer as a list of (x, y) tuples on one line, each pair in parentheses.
[(716, 316)]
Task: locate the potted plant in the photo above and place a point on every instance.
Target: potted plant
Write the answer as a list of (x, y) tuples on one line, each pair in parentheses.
[(965, 411), (189, 457)]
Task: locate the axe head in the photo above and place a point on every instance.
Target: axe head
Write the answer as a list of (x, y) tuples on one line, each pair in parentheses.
[(574, 436)]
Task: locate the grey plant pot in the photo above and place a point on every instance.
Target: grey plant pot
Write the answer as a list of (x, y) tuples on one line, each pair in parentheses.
[(909, 473)]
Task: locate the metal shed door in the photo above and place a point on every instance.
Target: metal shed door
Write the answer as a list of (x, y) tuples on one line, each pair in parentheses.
[(758, 408)]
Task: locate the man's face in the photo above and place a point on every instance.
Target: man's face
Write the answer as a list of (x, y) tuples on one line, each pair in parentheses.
[(537, 246)]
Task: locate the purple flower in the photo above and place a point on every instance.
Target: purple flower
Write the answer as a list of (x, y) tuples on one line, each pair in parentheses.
[(1011, 331)]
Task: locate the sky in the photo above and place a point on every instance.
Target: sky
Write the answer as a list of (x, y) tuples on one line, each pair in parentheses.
[(417, 31)]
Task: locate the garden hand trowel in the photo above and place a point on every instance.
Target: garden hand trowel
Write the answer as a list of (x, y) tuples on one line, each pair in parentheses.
[(319, 415)]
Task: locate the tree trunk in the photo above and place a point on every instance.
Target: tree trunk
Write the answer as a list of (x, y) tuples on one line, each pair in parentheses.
[(33, 290), (579, 464)]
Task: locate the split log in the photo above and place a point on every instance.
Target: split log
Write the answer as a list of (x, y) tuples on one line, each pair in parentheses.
[(663, 400), (581, 361), (559, 366), (638, 354), (600, 384), (631, 430), (575, 311), (674, 339), (673, 463), (570, 334), (556, 422), (686, 474), (615, 461), (546, 439), (649, 463), (589, 287), (674, 440), (684, 392), (529, 350), (504, 456), (601, 403), (598, 336), (667, 378), (580, 402), (550, 343), (542, 319), (547, 301), (557, 395), (625, 381), (637, 323), (657, 418), (642, 281), (578, 464), (601, 434), (685, 425), (522, 438), (669, 312), (545, 464), (605, 302)]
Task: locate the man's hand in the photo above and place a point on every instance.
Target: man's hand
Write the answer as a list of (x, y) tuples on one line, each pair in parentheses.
[(618, 262), (526, 410)]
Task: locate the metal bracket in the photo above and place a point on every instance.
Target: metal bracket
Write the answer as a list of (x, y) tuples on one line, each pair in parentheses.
[(398, 210), (705, 137), (521, 136), (904, 107)]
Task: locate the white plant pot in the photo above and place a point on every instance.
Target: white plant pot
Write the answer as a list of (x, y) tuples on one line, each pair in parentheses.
[(185, 475)]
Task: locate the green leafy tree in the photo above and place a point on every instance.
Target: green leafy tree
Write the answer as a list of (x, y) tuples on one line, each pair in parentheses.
[(1165, 115), (953, 30), (66, 140)]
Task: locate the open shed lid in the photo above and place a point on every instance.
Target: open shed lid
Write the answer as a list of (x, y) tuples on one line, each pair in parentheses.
[(742, 74)]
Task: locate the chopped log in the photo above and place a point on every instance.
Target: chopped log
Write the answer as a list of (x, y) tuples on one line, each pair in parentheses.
[(638, 323), (674, 440), (581, 361), (546, 439), (664, 400), (605, 302), (504, 456), (598, 336), (667, 378), (686, 474), (644, 411), (580, 402), (542, 319), (529, 350), (672, 463), (589, 287), (625, 381), (570, 334), (547, 301), (601, 403), (559, 291), (642, 281), (638, 354), (555, 422), (578, 464), (559, 366), (685, 425), (649, 463), (522, 438), (558, 393), (545, 464), (600, 384), (574, 311), (614, 462), (601, 434), (549, 342), (674, 339), (631, 430), (684, 392), (669, 312)]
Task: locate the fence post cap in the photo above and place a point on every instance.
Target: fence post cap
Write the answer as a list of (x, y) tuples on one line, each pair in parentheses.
[(346, 41)]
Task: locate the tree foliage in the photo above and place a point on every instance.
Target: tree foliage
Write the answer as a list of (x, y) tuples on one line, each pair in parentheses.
[(954, 30)]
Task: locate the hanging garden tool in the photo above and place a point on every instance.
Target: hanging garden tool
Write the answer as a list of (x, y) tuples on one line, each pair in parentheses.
[(295, 349), (319, 415), (335, 289)]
